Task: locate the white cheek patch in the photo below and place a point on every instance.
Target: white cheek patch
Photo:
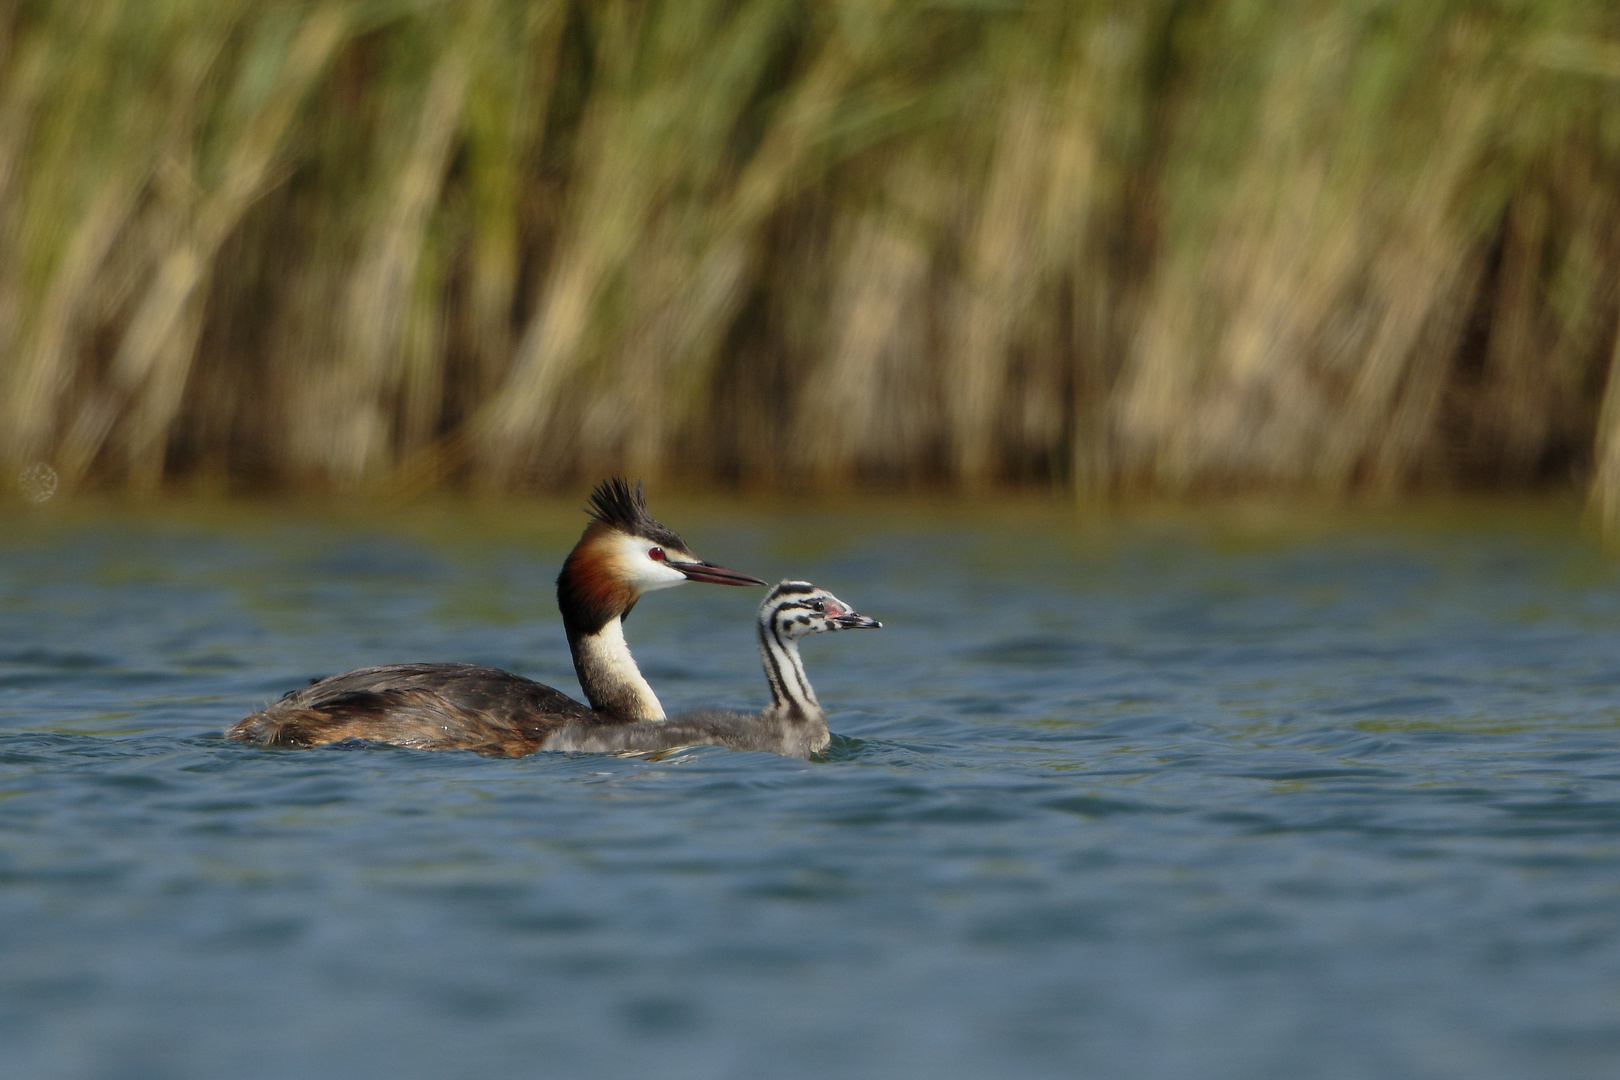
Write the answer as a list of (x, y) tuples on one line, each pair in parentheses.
[(640, 570)]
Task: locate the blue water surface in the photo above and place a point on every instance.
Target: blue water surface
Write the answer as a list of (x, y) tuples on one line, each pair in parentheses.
[(1163, 799)]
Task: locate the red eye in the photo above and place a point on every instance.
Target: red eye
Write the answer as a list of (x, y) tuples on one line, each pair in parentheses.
[(656, 554)]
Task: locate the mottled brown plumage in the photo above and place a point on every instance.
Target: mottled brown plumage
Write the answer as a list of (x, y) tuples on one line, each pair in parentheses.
[(422, 706), (623, 553)]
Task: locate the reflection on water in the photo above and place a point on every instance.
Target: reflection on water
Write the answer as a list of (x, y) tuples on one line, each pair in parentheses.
[(1147, 801)]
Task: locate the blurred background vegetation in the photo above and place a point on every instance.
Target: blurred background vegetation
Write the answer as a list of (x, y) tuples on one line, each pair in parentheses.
[(1161, 246)]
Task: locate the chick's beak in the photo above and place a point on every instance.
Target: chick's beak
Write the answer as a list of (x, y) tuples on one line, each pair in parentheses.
[(856, 621), (714, 575)]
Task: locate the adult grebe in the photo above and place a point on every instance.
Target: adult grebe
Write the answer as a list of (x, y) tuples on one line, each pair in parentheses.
[(623, 554), (793, 724)]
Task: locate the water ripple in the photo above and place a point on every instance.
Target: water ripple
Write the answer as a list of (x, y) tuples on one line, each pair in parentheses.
[(1156, 808)]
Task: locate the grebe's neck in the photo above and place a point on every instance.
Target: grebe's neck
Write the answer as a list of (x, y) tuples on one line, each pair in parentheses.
[(594, 597), (791, 695), (608, 673)]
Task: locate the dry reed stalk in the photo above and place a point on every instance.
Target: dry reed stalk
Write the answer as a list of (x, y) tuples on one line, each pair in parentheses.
[(1337, 320), (607, 210), (156, 349), (1029, 227), (1218, 380), (447, 358), (1422, 281), (44, 367), (1552, 302), (506, 124), (645, 146), (1534, 413), (1512, 420), (33, 92), (349, 411), (26, 75), (669, 358), (865, 402), (1603, 494)]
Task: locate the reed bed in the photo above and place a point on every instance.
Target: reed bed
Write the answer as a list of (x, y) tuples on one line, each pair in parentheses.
[(1337, 247)]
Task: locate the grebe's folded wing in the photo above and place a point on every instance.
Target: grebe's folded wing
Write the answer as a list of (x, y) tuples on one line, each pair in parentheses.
[(423, 706)]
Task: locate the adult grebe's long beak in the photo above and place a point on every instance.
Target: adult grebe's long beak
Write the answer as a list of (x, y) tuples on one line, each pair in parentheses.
[(714, 575)]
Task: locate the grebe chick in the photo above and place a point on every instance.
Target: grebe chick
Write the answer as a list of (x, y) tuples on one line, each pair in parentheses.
[(793, 725), (623, 554)]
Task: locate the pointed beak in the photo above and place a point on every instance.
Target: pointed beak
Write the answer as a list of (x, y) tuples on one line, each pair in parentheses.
[(714, 575), (856, 621)]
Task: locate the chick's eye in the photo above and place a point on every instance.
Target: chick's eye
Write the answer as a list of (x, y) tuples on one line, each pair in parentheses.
[(656, 554), (817, 605)]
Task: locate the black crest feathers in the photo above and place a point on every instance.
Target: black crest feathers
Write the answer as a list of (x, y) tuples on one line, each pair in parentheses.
[(617, 504)]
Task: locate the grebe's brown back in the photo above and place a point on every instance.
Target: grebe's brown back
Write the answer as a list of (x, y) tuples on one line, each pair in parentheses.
[(623, 554)]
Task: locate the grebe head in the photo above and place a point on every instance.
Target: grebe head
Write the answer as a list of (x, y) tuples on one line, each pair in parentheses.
[(625, 553), (795, 609)]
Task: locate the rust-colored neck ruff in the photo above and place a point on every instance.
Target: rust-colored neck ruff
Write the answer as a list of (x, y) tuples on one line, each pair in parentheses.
[(594, 598), (591, 590)]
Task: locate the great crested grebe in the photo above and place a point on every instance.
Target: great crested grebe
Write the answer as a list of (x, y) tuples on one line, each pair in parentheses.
[(623, 554), (793, 724)]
